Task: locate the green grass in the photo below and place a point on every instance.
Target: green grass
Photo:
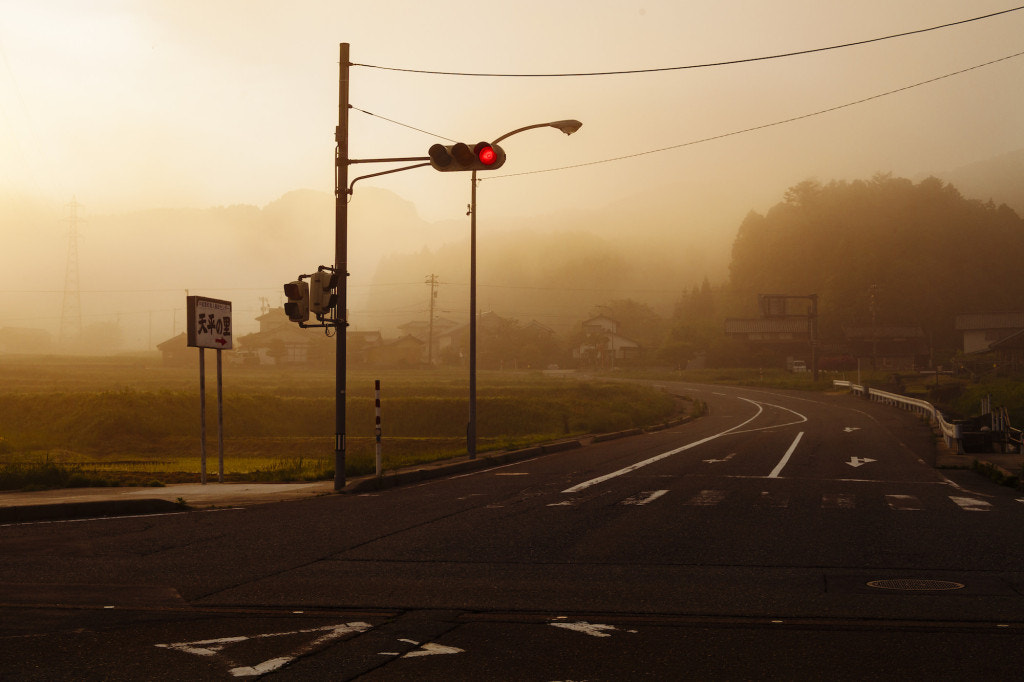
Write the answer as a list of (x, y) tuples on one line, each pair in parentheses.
[(128, 420)]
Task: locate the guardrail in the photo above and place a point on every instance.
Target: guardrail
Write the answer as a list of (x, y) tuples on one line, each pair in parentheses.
[(951, 433)]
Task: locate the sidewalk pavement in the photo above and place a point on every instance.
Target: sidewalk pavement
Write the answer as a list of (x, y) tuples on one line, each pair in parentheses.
[(80, 503)]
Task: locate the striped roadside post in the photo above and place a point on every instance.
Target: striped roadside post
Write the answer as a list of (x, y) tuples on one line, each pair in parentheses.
[(376, 388)]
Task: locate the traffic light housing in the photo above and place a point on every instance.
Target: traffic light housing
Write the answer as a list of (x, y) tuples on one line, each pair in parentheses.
[(297, 307), (462, 157), (322, 298)]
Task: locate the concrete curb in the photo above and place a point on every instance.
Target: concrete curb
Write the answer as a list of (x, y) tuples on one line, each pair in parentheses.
[(449, 468), (79, 510)]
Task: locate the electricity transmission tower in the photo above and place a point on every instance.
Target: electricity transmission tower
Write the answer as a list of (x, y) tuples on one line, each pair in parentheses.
[(71, 311)]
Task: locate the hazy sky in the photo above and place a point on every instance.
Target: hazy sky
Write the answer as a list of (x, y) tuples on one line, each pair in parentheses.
[(136, 104)]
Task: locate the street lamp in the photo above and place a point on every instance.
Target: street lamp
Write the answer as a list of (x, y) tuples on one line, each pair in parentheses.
[(568, 127)]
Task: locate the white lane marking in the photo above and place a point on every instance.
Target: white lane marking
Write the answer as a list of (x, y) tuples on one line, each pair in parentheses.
[(592, 629), (801, 420), (971, 504), (785, 458), (903, 502), (645, 497), (735, 429), (213, 647), (657, 458)]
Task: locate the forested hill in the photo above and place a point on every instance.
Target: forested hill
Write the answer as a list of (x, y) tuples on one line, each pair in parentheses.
[(923, 252)]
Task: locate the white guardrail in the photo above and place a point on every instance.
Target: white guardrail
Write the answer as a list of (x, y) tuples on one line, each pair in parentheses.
[(950, 432)]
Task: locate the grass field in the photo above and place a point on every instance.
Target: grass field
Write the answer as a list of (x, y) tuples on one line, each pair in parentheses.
[(89, 421)]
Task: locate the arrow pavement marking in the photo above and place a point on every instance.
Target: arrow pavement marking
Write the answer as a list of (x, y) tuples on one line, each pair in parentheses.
[(592, 629), (645, 497), (213, 647), (857, 461), (851, 429), (724, 459), (428, 649)]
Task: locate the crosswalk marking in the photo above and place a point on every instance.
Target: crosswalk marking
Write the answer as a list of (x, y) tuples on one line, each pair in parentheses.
[(971, 504)]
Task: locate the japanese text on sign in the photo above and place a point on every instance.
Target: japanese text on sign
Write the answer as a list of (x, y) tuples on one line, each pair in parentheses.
[(209, 323)]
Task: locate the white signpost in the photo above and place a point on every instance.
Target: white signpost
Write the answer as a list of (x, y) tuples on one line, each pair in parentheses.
[(209, 326)]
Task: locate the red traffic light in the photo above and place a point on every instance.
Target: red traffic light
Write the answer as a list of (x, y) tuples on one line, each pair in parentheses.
[(459, 157), (485, 154)]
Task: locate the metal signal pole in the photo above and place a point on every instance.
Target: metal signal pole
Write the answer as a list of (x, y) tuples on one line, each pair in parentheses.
[(341, 163)]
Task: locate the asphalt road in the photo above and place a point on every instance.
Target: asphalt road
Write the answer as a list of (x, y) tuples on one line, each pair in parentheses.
[(783, 536)]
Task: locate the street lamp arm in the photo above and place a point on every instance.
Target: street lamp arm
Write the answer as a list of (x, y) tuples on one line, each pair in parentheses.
[(568, 126)]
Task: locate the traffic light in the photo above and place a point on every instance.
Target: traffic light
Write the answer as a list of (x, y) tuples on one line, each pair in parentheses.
[(321, 297), (460, 157), (297, 307)]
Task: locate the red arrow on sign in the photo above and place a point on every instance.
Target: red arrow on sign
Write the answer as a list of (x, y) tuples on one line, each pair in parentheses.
[(222, 342)]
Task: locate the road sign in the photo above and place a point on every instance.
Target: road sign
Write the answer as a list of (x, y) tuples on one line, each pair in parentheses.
[(209, 323)]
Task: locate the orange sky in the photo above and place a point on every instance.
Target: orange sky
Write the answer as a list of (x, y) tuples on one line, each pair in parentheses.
[(196, 103)]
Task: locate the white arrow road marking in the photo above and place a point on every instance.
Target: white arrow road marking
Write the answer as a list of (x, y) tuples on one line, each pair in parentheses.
[(428, 649), (213, 647), (592, 629), (724, 459), (857, 461), (645, 497), (431, 649), (851, 429)]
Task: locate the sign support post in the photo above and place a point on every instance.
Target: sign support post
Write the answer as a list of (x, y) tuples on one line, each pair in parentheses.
[(209, 326), (202, 416)]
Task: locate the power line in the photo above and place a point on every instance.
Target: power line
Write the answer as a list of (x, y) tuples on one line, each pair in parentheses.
[(693, 66), (762, 126), (399, 123)]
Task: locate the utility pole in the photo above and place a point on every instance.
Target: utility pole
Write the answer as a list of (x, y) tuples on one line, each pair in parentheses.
[(433, 282), (341, 163)]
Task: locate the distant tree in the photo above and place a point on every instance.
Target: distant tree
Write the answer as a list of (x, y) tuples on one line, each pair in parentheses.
[(925, 251)]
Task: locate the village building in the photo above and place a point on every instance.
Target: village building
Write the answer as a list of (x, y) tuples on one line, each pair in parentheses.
[(1000, 336), (603, 347)]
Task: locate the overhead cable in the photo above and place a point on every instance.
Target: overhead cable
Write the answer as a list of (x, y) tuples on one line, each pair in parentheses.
[(763, 125), (694, 66)]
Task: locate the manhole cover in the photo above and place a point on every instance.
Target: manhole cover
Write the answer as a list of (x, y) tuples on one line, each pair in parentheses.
[(913, 584)]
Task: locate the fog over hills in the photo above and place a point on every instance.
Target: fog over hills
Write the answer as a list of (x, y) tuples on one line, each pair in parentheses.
[(134, 268)]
